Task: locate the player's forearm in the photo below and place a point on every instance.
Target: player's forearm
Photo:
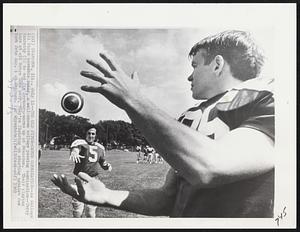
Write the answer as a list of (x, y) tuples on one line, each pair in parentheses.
[(200, 160), (115, 197), (186, 150), (147, 202)]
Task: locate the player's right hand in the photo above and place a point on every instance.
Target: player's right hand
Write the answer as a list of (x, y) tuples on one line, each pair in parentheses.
[(75, 157), (113, 83)]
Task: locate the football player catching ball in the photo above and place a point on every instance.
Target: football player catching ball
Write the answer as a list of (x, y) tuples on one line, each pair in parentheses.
[(88, 156)]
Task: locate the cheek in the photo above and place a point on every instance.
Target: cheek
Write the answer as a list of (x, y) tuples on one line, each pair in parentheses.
[(197, 75), (197, 80)]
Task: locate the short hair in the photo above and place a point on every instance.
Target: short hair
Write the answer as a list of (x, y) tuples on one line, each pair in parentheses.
[(238, 49), (91, 127)]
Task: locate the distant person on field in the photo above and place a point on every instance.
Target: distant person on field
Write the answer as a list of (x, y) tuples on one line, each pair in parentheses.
[(158, 158), (139, 154), (150, 152), (40, 152), (145, 154)]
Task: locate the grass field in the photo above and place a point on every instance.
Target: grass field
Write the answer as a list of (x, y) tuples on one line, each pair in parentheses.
[(126, 175)]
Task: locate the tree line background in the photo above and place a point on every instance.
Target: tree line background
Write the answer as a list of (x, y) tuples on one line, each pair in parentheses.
[(57, 131)]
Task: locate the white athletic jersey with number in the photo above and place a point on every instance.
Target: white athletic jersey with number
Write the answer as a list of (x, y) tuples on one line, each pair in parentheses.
[(93, 158)]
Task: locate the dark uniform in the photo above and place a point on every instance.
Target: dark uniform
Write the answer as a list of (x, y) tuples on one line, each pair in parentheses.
[(91, 164), (250, 105), (94, 158)]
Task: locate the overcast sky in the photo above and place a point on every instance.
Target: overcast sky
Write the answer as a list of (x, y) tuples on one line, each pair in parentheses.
[(159, 55)]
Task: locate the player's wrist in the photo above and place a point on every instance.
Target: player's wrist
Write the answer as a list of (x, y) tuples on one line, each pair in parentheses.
[(115, 197), (132, 100), (136, 103)]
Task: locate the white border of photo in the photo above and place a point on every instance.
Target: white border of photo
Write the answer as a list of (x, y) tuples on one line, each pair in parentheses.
[(278, 18)]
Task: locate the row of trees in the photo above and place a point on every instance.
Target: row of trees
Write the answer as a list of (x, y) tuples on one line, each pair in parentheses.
[(62, 130)]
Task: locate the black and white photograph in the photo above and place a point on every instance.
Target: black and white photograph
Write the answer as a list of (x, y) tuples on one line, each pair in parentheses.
[(149, 125)]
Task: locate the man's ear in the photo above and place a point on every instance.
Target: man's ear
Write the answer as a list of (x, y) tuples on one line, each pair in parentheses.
[(218, 65)]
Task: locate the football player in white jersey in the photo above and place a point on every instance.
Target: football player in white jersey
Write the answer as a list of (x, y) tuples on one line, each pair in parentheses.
[(145, 159), (88, 157), (158, 158), (139, 153), (151, 155), (221, 152)]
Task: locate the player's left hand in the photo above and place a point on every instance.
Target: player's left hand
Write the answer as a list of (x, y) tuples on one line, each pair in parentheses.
[(113, 82), (62, 182), (89, 190)]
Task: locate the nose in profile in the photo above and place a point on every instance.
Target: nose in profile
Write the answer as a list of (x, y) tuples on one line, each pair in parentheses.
[(190, 78)]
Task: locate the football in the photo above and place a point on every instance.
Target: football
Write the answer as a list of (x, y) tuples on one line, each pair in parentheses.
[(72, 102)]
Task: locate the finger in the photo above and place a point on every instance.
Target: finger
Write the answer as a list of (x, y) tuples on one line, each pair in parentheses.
[(64, 180), (67, 187), (111, 63), (100, 67), (94, 76), (84, 176), (55, 181), (80, 188), (104, 89), (91, 89), (58, 182), (81, 156)]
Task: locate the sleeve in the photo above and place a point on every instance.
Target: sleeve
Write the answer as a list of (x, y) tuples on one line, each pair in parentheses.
[(78, 142), (249, 107), (103, 163), (262, 117)]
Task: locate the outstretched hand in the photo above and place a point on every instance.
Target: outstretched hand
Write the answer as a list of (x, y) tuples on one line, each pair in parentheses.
[(113, 82), (75, 156), (87, 189)]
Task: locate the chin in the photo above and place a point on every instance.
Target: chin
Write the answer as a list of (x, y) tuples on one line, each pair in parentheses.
[(200, 95), (89, 141)]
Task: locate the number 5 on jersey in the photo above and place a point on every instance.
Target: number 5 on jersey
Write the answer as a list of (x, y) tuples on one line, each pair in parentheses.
[(93, 154)]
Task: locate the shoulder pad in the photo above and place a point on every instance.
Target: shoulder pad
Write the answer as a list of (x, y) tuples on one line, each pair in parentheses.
[(246, 93), (258, 84), (99, 145), (78, 142)]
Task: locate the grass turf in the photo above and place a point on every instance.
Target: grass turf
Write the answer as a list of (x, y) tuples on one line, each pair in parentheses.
[(126, 175)]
